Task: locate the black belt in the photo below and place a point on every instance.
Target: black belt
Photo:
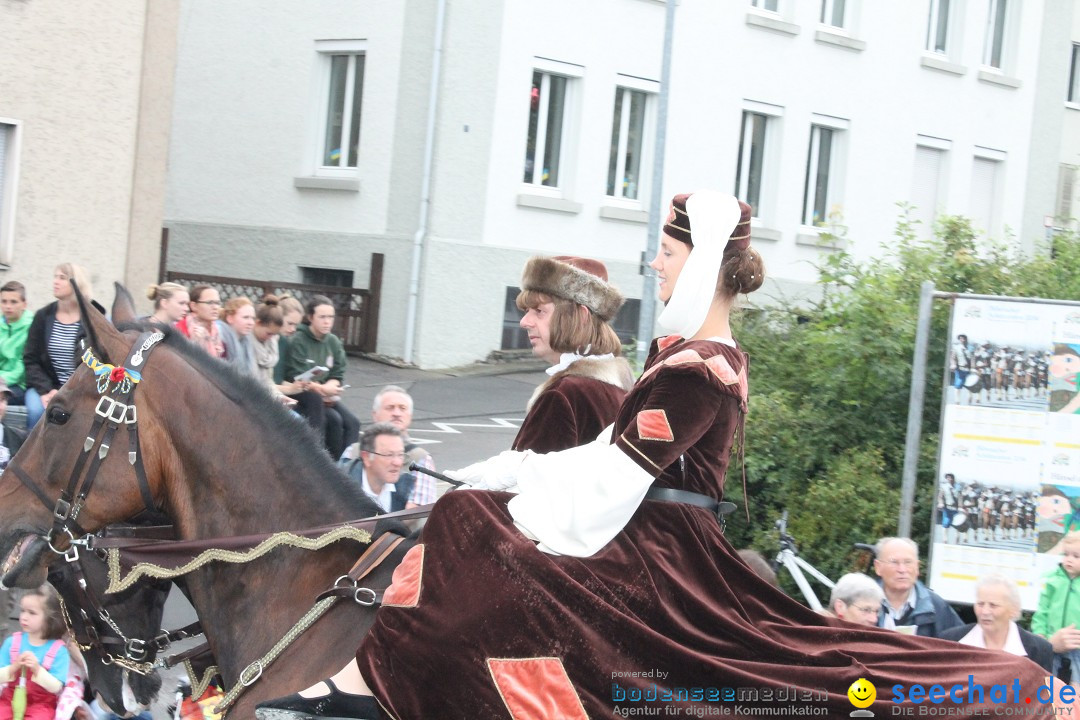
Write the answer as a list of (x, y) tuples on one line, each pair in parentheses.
[(721, 508)]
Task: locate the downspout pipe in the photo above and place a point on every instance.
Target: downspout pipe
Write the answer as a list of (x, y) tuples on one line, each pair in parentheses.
[(420, 236)]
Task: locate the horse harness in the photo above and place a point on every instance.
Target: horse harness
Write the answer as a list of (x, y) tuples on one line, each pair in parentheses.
[(113, 410)]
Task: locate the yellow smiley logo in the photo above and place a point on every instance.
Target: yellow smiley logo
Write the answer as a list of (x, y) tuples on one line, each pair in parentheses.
[(862, 693)]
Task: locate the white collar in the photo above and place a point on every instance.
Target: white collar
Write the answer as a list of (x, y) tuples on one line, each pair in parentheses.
[(1013, 644), (383, 498), (567, 359)]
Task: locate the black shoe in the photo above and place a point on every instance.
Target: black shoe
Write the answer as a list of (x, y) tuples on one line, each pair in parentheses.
[(337, 705)]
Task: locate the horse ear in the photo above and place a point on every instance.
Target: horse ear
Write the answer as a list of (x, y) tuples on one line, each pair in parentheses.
[(123, 308), (101, 334)]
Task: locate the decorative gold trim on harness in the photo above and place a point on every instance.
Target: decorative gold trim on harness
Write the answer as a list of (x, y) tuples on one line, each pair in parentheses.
[(118, 582)]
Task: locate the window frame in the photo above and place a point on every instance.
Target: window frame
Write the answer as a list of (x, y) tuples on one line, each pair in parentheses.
[(834, 181), (9, 187), (828, 12), (573, 75), (945, 148), (933, 23), (1072, 93), (999, 158), (996, 38), (762, 5), (651, 90), (326, 50), (765, 206)]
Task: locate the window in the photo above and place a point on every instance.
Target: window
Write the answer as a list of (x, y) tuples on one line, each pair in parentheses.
[(984, 193), (822, 172), (995, 33), (326, 276), (748, 173), (513, 336), (630, 139), (339, 127), (1067, 191), (1074, 75), (770, 5), (832, 13), (547, 117), (9, 153), (926, 184), (937, 29)]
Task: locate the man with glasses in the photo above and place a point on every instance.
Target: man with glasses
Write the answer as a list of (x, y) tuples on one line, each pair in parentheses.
[(378, 469), (395, 406), (909, 606)]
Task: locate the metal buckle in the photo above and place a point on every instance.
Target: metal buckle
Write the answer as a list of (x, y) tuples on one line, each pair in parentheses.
[(365, 603), (72, 553), (117, 412), (245, 679), (136, 650), (62, 511)]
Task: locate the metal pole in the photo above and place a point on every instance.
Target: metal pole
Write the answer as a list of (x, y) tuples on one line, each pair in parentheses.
[(647, 316), (915, 408)]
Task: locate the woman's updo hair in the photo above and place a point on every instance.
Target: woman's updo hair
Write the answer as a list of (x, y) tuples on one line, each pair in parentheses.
[(163, 291), (232, 305), (289, 304), (742, 270), (268, 313)]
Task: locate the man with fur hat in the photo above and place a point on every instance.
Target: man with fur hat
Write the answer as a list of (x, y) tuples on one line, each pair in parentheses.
[(568, 305)]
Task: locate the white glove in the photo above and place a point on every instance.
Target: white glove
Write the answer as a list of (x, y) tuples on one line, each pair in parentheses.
[(497, 473)]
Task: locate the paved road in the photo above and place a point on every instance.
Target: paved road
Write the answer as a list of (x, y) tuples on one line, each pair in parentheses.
[(461, 416)]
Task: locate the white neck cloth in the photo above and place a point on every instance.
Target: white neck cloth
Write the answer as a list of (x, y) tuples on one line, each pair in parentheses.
[(713, 217)]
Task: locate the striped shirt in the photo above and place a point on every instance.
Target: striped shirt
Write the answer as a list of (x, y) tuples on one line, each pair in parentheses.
[(62, 348)]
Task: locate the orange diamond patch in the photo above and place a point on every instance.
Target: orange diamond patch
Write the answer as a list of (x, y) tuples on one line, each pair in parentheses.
[(536, 689), (404, 590), (653, 425)]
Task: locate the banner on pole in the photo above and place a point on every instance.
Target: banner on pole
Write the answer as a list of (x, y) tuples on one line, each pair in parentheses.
[(1008, 484)]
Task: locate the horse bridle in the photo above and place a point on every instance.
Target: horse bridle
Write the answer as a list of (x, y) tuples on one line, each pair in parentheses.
[(93, 628), (113, 410)]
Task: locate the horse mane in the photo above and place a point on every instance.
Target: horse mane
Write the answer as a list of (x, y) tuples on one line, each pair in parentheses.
[(252, 396)]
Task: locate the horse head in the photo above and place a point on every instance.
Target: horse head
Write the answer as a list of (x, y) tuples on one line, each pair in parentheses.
[(116, 632), (68, 454)]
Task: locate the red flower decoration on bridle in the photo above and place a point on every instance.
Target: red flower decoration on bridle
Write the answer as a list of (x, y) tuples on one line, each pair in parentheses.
[(117, 374)]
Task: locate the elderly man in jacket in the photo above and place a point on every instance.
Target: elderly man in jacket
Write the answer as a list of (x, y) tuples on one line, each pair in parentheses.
[(908, 603)]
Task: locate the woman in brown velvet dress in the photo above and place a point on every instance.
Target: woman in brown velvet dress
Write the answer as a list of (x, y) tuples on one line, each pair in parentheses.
[(564, 590), (567, 305)]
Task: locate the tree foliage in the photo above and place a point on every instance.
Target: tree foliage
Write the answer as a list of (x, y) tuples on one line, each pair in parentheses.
[(829, 384)]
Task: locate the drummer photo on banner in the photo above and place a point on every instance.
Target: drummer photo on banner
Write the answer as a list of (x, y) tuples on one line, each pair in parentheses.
[(999, 373), (978, 512)]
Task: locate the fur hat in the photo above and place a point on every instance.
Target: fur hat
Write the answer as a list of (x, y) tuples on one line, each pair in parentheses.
[(580, 280)]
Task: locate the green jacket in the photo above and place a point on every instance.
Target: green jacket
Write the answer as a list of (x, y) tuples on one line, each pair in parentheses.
[(307, 352), (12, 340), (1059, 604)]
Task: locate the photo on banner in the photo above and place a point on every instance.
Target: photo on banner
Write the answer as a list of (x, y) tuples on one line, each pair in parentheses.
[(1008, 484)]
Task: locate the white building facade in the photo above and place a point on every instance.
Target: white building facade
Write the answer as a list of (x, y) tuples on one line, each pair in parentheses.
[(823, 115)]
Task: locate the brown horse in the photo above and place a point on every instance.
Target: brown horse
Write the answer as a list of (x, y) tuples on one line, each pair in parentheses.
[(222, 458)]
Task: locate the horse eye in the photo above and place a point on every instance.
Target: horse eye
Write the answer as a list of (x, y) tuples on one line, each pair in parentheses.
[(58, 416)]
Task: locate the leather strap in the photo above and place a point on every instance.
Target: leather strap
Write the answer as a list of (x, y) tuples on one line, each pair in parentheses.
[(376, 553), (720, 507)]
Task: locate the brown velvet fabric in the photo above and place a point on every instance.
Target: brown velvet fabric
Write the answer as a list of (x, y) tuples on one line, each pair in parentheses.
[(667, 594), (571, 411)]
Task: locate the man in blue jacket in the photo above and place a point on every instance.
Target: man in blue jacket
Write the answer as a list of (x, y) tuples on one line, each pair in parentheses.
[(907, 601)]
